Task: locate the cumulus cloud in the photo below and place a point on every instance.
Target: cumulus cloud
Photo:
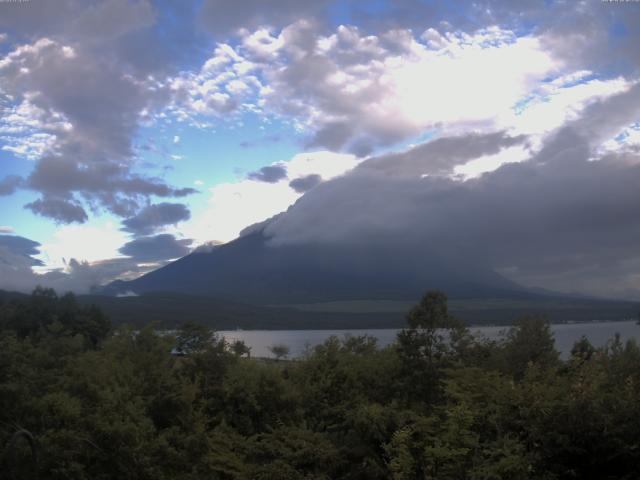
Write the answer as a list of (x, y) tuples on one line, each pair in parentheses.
[(302, 184), (420, 67), (156, 216), (269, 174), (156, 248), (354, 91), (76, 112)]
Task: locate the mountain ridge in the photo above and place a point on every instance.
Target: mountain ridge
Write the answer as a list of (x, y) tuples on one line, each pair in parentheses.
[(250, 270)]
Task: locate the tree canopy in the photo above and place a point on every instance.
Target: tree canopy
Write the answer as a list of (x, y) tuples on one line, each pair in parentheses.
[(438, 403)]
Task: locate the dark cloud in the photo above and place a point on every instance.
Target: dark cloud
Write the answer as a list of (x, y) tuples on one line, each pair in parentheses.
[(150, 218), (333, 135), (303, 184), (269, 174), (93, 20), (22, 247), (59, 209), (9, 184), (156, 248), (110, 184), (563, 219), (441, 155)]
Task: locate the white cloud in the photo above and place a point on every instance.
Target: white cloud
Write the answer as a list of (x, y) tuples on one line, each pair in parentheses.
[(128, 293), (234, 206), (88, 243), (553, 104), (488, 163), (350, 90), (29, 131), (347, 90), (6, 229)]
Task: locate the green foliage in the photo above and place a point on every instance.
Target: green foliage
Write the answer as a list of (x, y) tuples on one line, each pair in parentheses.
[(530, 342), (439, 403), (279, 350), (45, 313), (239, 348)]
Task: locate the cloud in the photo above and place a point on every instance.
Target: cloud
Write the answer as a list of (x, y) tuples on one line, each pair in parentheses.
[(349, 90), (156, 216), (17, 257), (563, 218), (87, 243), (357, 91), (5, 229), (128, 293), (302, 184), (235, 205), (76, 112), (62, 271), (156, 248), (59, 209), (80, 20), (269, 174), (9, 184), (22, 247), (441, 155)]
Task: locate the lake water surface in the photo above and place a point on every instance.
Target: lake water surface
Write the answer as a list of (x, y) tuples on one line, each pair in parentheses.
[(297, 340)]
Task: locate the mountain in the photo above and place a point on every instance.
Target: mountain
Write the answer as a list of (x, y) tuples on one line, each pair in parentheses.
[(250, 270), (170, 310)]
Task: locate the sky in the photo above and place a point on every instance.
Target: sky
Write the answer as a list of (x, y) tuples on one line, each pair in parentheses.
[(135, 131)]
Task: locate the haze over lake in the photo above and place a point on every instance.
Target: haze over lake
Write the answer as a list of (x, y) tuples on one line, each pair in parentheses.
[(598, 333)]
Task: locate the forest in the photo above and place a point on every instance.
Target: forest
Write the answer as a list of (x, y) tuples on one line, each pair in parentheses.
[(81, 399)]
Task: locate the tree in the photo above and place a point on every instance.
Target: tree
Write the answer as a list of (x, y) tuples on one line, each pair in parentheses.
[(239, 348), (530, 341), (423, 346), (194, 338), (582, 349), (279, 350)]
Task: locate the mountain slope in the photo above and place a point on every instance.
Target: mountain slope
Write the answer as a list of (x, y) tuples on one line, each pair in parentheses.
[(250, 270)]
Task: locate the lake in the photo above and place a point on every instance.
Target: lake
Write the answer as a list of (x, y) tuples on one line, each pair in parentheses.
[(297, 340)]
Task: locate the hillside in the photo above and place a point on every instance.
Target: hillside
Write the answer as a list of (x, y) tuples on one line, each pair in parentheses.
[(250, 270), (169, 310)]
